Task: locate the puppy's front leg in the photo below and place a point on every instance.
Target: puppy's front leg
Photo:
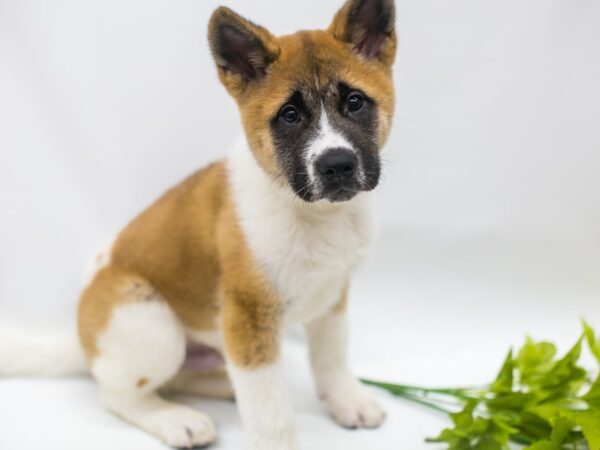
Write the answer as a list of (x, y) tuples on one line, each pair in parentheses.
[(346, 399), (251, 330)]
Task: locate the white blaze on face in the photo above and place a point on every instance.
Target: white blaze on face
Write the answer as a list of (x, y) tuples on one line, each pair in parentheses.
[(327, 138)]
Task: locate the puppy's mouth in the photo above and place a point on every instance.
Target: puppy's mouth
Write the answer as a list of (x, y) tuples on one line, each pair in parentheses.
[(334, 192), (340, 193)]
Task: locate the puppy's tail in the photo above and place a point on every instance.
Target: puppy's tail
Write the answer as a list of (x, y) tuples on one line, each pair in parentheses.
[(23, 354)]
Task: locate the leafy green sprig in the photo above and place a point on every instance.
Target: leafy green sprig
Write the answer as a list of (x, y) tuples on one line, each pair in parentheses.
[(537, 400)]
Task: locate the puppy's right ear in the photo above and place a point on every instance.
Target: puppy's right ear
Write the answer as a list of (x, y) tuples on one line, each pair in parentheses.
[(242, 50), (369, 27)]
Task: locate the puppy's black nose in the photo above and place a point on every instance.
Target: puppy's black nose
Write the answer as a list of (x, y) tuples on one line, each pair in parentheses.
[(337, 163)]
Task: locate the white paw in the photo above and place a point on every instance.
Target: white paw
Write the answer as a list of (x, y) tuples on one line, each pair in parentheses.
[(182, 427), (273, 445), (352, 405)]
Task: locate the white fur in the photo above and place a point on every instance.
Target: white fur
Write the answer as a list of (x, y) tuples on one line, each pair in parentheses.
[(308, 250), (350, 404), (327, 138), (36, 355), (142, 340), (176, 425), (264, 406), (145, 341)]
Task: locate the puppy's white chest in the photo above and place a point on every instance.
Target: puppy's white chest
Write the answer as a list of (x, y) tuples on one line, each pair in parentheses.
[(309, 256), (306, 250)]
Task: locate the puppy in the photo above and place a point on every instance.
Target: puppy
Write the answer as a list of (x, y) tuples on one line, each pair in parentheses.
[(195, 293)]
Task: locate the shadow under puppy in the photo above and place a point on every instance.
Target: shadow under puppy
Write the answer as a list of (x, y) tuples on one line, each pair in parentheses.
[(211, 274)]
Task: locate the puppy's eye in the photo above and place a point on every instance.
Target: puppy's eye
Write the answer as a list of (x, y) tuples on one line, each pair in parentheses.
[(355, 102), (290, 114)]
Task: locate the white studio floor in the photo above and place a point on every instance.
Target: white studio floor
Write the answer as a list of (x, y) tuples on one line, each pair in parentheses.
[(417, 317)]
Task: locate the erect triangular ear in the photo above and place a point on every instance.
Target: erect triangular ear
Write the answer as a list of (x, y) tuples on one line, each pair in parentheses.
[(240, 47), (369, 26)]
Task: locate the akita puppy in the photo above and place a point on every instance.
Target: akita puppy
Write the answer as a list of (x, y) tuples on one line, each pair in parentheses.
[(196, 292)]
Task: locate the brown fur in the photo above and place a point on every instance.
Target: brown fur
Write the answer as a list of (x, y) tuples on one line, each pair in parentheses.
[(173, 246), (314, 56), (188, 248), (251, 309), (111, 286)]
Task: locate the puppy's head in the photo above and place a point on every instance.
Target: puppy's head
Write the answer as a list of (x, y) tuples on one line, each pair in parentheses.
[(316, 106)]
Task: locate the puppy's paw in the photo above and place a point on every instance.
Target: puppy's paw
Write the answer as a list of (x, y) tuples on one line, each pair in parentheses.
[(271, 445), (282, 439), (352, 405), (183, 428)]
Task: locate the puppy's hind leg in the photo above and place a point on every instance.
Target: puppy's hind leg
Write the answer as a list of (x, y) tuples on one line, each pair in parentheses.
[(176, 425), (140, 349)]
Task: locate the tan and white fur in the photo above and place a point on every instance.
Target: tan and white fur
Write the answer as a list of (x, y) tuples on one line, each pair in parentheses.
[(195, 294)]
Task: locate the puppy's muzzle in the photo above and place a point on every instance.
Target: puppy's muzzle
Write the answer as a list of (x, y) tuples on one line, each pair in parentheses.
[(338, 172)]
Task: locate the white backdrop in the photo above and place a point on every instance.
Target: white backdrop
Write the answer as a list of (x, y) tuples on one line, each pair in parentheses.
[(490, 204)]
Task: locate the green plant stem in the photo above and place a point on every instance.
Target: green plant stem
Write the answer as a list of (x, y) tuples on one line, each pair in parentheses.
[(459, 393), (420, 401)]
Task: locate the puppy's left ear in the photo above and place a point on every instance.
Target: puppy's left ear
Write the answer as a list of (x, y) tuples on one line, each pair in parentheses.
[(241, 49), (369, 26)]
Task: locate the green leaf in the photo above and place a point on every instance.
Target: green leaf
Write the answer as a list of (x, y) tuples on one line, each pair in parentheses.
[(535, 426), (593, 343), (515, 401), (505, 379), (561, 429), (454, 441), (565, 376), (589, 421), (490, 442), (560, 432), (557, 407), (534, 359), (544, 445), (592, 397), (464, 418), (472, 432)]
